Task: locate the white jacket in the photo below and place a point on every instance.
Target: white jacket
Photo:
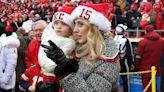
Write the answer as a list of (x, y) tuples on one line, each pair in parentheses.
[(8, 60), (66, 44)]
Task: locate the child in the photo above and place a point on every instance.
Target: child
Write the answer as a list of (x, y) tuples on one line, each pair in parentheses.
[(59, 32)]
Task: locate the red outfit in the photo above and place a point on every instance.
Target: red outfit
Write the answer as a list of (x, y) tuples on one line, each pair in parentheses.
[(145, 15), (150, 49), (32, 59), (159, 21), (32, 53), (159, 16), (33, 75)]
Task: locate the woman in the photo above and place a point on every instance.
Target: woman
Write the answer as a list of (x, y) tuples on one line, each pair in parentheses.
[(97, 53)]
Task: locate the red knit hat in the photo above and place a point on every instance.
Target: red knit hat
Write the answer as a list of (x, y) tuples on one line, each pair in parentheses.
[(149, 28), (95, 14), (63, 14)]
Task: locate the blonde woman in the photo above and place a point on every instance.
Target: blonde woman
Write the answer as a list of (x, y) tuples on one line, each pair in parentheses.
[(96, 52)]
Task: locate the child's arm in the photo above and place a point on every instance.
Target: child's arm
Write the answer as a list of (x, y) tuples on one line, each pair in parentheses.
[(68, 47), (45, 63)]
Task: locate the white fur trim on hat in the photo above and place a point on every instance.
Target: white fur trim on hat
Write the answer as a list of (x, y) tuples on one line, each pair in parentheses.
[(64, 17), (92, 16), (120, 28), (28, 25)]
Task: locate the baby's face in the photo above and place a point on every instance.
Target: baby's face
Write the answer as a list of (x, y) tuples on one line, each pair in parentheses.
[(62, 29)]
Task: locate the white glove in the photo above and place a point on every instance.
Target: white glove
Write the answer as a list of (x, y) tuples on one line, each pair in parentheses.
[(31, 88)]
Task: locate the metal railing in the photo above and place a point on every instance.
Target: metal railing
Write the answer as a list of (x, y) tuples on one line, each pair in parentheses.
[(137, 31)]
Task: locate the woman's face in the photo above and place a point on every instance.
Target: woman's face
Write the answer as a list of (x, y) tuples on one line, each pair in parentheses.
[(80, 31), (62, 29)]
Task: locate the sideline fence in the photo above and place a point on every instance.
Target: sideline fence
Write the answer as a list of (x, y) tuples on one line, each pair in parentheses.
[(152, 81)]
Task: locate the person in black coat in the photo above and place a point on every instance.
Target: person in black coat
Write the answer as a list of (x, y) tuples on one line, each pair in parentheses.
[(117, 18), (133, 16)]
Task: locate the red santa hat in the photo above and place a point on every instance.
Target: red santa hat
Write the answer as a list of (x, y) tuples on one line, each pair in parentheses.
[(95, 14), (64, 15)]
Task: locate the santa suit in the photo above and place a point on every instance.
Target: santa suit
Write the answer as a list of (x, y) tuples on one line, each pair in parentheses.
[(32, 53), (33, 76)]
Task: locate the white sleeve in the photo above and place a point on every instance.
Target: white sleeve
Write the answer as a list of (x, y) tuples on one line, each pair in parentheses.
[(46, 63), (11, 61), (68, 47)]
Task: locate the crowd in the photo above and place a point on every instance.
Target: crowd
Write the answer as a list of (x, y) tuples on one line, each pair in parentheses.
[(133, 13), (51, 46)]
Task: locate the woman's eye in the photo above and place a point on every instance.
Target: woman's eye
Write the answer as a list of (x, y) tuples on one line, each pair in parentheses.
[(80, 24)]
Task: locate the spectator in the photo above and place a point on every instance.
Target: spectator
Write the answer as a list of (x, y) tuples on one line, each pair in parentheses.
[(126, 54), (133, 16), (117, 18), (122, 4), (141, 7), (33, 47), (159, 16), (29, 37), (21, 65), (8, 48), (149, 53), (148, 16), (97, 53)]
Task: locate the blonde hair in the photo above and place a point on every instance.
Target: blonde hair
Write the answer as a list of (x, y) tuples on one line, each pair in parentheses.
[(94, 45)]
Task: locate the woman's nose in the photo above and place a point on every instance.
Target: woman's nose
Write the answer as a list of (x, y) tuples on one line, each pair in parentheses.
[(75, 30)]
